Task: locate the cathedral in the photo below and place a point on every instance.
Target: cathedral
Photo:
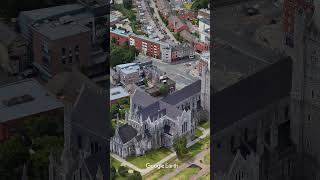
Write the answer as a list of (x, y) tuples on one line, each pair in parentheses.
[(153, 123)]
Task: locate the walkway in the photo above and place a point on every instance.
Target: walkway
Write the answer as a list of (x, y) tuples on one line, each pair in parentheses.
[(205, 133), (194, 160), (146, 170)]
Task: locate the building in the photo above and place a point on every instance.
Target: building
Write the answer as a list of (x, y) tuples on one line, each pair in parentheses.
[(85, 140), (175, 24), (118, 93), (181, 51), (27, 19), (146, 46), (153, 123), (21, 100), (203, 62), (204, 30), (60, 44), (13, 48), (301, 42), (128, 73), (164, 8), (253, 142)]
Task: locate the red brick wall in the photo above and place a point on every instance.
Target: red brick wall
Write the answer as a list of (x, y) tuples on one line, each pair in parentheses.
[(55, 47), (121, 40)]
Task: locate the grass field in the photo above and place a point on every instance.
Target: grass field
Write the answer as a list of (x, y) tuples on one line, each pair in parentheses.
[(187, 173), (115, 163), (206, 159), (205, 125), (156, 174), (197, 133), (151, 157), (206, 177)]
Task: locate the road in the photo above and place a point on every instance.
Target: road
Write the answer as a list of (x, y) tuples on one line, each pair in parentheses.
[(179, 73), (156, 11)]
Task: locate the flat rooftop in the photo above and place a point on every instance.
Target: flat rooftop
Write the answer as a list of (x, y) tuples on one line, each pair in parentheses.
[(25, 98), (55, 30), (117, 93), (44, 13)]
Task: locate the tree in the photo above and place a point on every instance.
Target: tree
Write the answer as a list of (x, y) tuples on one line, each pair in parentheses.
[(121, 55), (113, 173), (199, 4), (180, 146), (164, 89), (114, 110), (123, 170), (13, 154), (127, 4), (135, 176)]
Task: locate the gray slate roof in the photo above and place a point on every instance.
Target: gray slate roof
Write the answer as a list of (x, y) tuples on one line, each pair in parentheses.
[(126, 133), (160, 109), (90, 112), (141, 98), (42, 101), (184, 93)]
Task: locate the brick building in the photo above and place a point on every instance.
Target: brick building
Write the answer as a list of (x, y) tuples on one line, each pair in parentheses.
[(176, 24), (144, 45), (59, 45)]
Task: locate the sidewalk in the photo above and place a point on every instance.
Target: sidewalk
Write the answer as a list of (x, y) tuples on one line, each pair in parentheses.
[(142, 171)]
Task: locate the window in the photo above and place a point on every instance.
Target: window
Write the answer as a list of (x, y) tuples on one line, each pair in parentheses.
[(309, 117), (63, 51), (70, 59), (79, 142), (312, 94)]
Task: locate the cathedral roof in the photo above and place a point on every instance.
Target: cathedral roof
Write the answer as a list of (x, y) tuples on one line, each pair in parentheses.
[(126, 133), (183, 94), (252, 94), (90, 112), (159, 109), (141, 98)]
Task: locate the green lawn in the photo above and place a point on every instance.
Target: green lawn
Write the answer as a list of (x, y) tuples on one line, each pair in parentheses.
[(197, 133), (187, 173), (157, 173), (205, 124), (197, 148), (115, 163), (206, 159), (206, 177), (152, 157)]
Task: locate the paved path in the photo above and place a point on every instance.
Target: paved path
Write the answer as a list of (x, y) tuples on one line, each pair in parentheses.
[(205, 133), (194, 160), (142, 171), (156, 11)]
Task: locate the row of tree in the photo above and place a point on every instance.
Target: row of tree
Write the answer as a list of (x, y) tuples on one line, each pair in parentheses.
[(121, 54), (123, 171)]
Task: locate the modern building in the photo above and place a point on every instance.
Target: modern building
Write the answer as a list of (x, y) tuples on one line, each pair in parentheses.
[(60, 44), (28, 19), (153, 123), (128, 73), (118, 93), (21, 100)]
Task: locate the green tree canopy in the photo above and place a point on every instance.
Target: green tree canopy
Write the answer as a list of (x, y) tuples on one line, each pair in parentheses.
[(164, 89), (113, 173), (199, 4), (13, 154), (135, 176), (121, 55), (123, 170), (180, 146)]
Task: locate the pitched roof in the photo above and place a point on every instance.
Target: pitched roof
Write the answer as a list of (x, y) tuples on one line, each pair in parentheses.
[(160, 109), (90, 112), (141, 98), (126, 133), (183, 94), (252, 94)]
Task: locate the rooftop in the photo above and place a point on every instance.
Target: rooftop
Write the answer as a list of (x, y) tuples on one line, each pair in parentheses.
[(57, 30), (45, 13), (117, 93), (25, 98)]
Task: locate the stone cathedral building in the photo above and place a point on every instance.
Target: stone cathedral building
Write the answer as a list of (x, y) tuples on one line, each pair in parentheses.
[(85, 140), (302, 43), (205, 89), (153, 123)]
